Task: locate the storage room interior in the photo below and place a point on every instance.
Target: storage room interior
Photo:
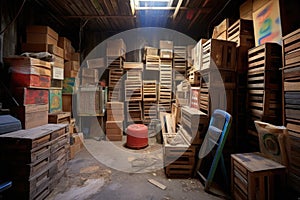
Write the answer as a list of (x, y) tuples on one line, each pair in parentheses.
[(149, 99)]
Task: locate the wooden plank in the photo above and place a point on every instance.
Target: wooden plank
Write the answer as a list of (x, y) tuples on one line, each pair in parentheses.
[(158, 184)]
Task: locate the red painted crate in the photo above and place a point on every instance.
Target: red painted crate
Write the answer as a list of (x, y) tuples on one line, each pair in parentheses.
[(28, 96)]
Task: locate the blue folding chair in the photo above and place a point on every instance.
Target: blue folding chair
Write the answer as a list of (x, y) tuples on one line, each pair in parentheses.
[(216, 135)]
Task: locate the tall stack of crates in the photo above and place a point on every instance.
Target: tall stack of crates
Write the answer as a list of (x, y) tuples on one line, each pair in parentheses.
[(264, 89), (115, 57), (30, 83), (115, 119), (242, 33), (291, 94)]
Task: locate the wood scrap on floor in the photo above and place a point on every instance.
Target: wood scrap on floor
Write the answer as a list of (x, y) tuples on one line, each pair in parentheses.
[(157, 184)]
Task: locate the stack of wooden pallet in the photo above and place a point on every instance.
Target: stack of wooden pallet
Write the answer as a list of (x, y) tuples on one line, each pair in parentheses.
[(165, 86), (242, 33), (34, 159), (291, 94), (149, 100), (152, 62), (115, 119), (264, 89)]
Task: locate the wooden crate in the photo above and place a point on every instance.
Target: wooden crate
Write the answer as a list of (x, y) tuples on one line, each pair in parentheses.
[(256, 177), (90, 101), (194, 123), (32, 115), (242, 33), (133, 90), (149, 90), (27, 96), (152, 62), (220, 31), (197, 55), (116, 47), (67, 102), (115, 111), (292, 147), (114, 94), (165, 106), (70, 85), (114, 62), (150, 51), (114, 130), (133, 65), (179, 159), (55, 100), (291, 47), (59, 118), (150, 111), (115, 77), (219, 54), (134, 75), (179, 60), (25, 78), (219, 78), (133, 111)]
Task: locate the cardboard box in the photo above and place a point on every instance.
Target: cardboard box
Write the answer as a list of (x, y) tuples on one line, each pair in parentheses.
[(42, 29), (95, 63), (57, 73), (267, 26), (55, 100)]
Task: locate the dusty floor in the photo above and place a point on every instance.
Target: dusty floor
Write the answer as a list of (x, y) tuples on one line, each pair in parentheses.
[(122, 174)]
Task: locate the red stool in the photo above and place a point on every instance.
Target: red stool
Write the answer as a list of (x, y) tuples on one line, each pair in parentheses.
[(137, 136)]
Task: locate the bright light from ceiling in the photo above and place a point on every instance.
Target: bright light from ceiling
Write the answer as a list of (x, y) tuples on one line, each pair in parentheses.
[(149, 4)]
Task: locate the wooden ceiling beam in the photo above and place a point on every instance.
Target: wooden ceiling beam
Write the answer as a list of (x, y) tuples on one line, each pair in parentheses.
[(99, 16), (201, 11)]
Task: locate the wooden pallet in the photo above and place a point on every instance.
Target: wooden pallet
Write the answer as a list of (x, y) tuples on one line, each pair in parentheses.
[(133, 90), (242, 33), (291, 48), (149, 90), (179, 159), (219, 54), (115, 77), (152, 62)]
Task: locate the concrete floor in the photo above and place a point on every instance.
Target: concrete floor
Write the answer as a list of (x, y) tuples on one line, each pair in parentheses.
[(108, 170)]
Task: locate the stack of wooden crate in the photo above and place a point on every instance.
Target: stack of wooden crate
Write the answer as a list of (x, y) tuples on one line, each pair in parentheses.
[(220, 31), (165, 85), (149, 101), (89, 76), (217, 76), (133, 91), (115, 119), (242, 33), (264, 89), (30, 86), (115, 57), (291, 94), (35, 160), (152, 62), (179, 63)]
